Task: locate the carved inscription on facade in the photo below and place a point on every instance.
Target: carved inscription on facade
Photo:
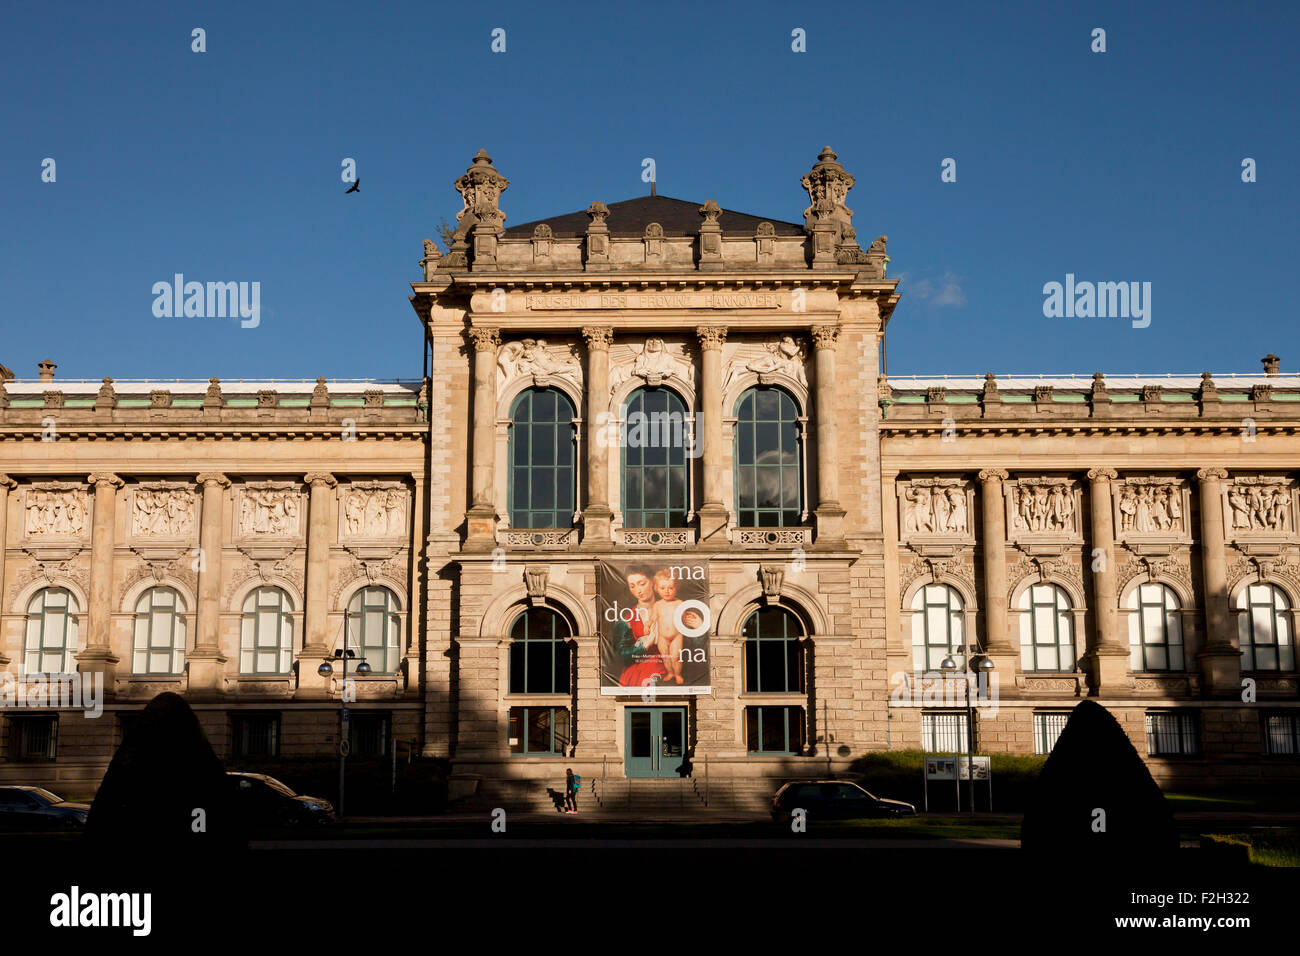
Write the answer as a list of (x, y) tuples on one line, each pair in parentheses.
[(656, 300)]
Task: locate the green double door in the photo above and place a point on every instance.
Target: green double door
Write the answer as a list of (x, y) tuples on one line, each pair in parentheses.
[(655, 741)]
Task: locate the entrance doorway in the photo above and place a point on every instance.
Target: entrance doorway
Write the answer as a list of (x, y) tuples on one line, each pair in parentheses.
[(654, 741)]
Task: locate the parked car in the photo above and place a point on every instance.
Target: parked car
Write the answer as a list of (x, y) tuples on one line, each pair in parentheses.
[(34, 808), (266, 802), (834, 800)]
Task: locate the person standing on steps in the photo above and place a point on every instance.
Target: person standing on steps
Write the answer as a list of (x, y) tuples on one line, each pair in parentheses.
[(572, 783)]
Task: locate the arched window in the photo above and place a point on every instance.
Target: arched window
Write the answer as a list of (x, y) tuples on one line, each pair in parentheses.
[(655, 436), (539, 653), (51, 643), (1155, 629), (266, 632), (1264, 629), (373, 627), (937, 627), (159, 633), (769, 459), (542, 456), (774, 658), (1046, 629)]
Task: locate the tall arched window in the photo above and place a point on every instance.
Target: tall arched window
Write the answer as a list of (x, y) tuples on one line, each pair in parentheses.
[(655, 436), (539, 653), (542, 456), (1046, 629), (159, 646), (774, 656), (1264, 629), (1155, 629), (51, 641), (937, 627), (373, 628), (769, 459), (266, 632)]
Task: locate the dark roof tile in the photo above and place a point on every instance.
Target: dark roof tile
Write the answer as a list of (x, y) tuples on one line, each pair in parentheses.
[(631, 216)]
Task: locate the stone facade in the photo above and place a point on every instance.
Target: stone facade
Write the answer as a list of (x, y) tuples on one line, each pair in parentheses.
[(981, 488)]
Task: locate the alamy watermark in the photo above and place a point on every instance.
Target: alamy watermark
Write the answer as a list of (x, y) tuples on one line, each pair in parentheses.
[(47, 691), (1102, 300), (213, 300), (921, 689)]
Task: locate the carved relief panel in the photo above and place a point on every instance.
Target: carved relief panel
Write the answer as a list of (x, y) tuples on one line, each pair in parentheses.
[(935, 511), (1151, 512), (1044, 511), (161, 515), (56, 513), (1260, 510), (536, 360), (269, 513), (373, 511), (654, 362), (782, 356)]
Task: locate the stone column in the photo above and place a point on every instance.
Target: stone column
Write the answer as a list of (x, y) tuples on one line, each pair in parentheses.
[(1106, 660), (5, 484), (205, 659), (481, 518), (830, 516), (1220, 659), (708, 425), (597, 517), (993, 540), (98, 652)]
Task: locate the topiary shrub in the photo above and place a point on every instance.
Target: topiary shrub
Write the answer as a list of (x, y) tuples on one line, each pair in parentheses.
[(1095, 797)]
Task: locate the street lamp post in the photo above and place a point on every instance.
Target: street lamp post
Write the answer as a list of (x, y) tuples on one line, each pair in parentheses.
[(325, 670), (949, 666)]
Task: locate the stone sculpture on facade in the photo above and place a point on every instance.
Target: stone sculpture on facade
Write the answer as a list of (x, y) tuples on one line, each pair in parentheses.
[(374, 512), (269, 511), (56, 513), (1043, 507), (534, 358), (654, 363), (1260, 504), (935, 506), (162, 512)]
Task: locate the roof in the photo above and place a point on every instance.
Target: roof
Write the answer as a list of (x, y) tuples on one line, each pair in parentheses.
[(630, 217), (975, 383), (200, 386)]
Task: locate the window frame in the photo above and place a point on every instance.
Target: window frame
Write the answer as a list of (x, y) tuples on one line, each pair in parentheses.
[(755, 515), (518, 727), (1044, 722), (793, 660), (71, 634), (672, 517), (792, 732), (956, 649), (1280, 625), (283, 646), (381, 717), (519, 651), (933, 733), (356, 636), (1062, 620), (179, 645), (1291, 732), (1135, 605), (20, 726), (1187, 733), (559, 519), (240, 724)]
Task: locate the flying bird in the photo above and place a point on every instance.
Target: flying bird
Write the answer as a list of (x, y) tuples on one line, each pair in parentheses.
[(356, 187)]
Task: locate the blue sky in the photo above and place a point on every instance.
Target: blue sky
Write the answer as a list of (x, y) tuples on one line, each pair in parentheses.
[(224, 166)]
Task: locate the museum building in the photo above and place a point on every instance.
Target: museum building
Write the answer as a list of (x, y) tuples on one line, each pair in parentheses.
[(655, 511)]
